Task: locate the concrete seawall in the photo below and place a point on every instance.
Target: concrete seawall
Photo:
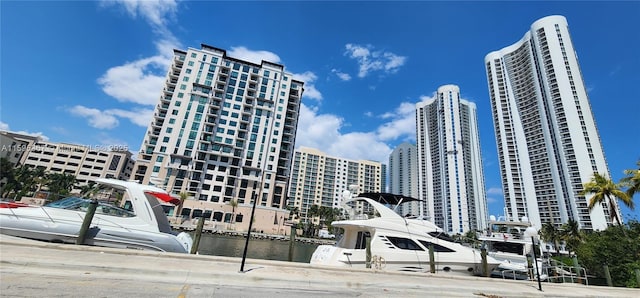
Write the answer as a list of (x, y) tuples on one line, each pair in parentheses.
[(212, 276)]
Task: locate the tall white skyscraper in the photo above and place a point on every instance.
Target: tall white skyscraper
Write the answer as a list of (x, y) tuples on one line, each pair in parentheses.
[(548, 143), (320, 179), (450, 177), (403, 176), (223, 129)]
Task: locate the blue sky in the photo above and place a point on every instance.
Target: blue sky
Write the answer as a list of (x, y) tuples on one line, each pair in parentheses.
[(90, 72)]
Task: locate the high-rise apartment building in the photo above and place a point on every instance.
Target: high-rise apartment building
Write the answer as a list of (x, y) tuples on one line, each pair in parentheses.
[(403, 176), (450, 175), (548, 143), (319, 179), (224, 129)]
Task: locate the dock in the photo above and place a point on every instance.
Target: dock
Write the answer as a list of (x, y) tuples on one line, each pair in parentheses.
[(33, 268)]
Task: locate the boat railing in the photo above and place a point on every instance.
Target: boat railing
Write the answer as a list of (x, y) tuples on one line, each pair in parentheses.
[(553, 274), (564, 273)]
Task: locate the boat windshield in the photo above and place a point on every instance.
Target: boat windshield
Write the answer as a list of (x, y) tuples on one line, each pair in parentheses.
[(81, 204)]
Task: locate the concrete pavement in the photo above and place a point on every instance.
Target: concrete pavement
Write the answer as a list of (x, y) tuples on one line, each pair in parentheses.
[(153, 274)]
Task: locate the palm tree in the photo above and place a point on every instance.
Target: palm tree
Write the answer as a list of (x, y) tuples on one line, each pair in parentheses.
[(183, 196), (571, 234), (87, 189), (7, 171), (24, 181), (60, 184), (312, 212), (605, 190), (233, 203), (632, 181), (294, 212), (549, 233)]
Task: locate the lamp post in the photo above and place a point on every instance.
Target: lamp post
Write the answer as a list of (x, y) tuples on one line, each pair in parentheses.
[(532, 233), (246, 243)]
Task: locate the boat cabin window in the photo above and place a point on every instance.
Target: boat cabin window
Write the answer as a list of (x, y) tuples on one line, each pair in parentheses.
[(404, 243), (436, 247), (128, 206), (361, 240), (441, 236), (80, 204), (511, 247)]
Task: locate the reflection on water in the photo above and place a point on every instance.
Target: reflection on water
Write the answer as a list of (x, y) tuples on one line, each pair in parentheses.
[(230, 246)]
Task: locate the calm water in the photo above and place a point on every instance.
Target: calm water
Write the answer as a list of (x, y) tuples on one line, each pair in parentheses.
[(230, 246)]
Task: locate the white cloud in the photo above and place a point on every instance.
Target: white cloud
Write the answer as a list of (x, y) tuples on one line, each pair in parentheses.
[(96, 118), (322, 132), (403, 123), (341, 75), (155, 13), (309, 79), (140, 117), (108, 119), (494, 191), (253, 56), (4, 126), (370, 60), (134, 82), (138, 81)]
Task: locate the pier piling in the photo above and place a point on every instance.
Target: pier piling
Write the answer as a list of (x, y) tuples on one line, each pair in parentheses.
[(86, 222), (196, 241)]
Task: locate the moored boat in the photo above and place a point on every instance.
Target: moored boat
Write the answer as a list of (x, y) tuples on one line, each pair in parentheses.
[(140, 224), (395, 243)]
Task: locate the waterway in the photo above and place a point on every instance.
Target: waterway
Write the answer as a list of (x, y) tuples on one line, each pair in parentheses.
[(233, 246)]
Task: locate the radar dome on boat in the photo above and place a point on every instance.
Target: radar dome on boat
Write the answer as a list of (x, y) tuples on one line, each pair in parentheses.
[(492, 217)]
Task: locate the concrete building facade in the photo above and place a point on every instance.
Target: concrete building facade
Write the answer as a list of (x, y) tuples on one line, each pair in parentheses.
[(548, 142), (320, 179), (224, 130), (86, 163), (450, 172), (403, 176)]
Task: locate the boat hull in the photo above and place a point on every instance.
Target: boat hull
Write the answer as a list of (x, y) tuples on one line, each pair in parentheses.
[(63, 226), (328, 255)]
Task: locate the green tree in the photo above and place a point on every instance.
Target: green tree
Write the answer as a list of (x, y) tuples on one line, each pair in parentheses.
[(571, 234), (550, 233), (24, 181), (88, 189), (7, 171), (294, 212), (183, 196), (312, 212), (632, 181), (234, 204), (60, 184), (604, 190), (618, 247)]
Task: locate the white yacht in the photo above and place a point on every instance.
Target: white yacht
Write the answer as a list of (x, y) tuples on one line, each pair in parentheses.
[(140, 224), (509, 241), (395, 243)]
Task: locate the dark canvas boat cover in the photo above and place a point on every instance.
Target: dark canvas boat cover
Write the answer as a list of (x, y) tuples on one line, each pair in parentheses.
[(387, 198)]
